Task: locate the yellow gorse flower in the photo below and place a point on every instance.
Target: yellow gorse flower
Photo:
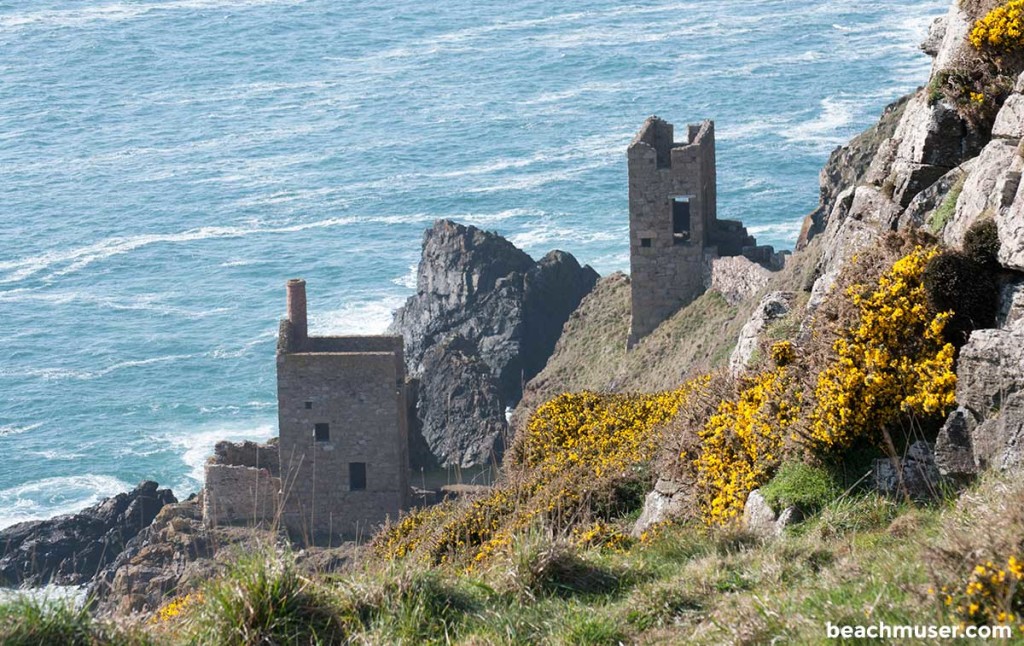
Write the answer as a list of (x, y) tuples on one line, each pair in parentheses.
[(891, 362), (1001, 30), (741, 443)]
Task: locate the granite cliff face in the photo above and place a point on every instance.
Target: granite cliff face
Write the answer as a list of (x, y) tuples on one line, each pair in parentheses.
[(70, 550), (484, 320)]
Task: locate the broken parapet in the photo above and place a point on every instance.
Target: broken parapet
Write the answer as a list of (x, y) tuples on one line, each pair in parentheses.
[(243, 484)]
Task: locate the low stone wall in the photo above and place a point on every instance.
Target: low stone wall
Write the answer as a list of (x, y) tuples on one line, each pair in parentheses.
[(249, 454), (240, 495)]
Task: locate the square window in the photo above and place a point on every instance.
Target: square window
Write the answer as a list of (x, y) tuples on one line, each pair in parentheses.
[(322, 432), (309, 405), (645, 242), (356, 476)]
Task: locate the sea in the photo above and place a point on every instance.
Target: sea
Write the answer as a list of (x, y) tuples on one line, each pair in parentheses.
[(166, 165)]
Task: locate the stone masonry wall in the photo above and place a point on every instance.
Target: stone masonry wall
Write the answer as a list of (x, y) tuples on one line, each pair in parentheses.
[(362, 396), (239, 495), (666, 274)]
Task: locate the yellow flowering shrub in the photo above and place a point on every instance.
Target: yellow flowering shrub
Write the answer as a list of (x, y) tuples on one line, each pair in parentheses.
[(889, 363), (993, 595), (601, 534), (574, 449), (742, 442), (173, 608), (1001, 30)]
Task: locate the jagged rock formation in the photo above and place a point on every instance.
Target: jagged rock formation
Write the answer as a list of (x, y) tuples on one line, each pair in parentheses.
[(484, 320), (71, 549), (987, 429), (773, 307)]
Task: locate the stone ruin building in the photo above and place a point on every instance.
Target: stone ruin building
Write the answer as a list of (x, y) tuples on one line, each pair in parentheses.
[(674, 231), (340, 465)]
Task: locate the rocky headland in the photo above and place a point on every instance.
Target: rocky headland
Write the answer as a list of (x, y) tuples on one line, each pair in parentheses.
[(491, 329)]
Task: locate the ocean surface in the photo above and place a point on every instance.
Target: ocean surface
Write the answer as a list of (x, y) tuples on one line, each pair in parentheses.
[(166, 166)]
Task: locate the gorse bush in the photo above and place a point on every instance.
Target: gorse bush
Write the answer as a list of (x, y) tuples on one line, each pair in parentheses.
[(570, 466), (742, 442), (890, 363), (968, 289), (1001, 30), (993, 595), (981, 243)]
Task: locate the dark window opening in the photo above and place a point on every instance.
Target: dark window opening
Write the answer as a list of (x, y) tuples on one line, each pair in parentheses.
[(356, 476), (681, 220), (645, 242), (322, 432), (309, 405)]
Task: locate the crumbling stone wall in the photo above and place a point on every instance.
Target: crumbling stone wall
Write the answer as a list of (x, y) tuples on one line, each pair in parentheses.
[(240, 495), (242, 484), (668, 272)]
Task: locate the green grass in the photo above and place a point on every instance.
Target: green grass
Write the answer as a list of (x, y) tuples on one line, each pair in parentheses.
[(942, 215), (32, 622)]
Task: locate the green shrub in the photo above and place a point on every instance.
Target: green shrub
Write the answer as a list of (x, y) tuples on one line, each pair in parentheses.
[(263, 599), (955, 282), (981, 243), (800, 485)]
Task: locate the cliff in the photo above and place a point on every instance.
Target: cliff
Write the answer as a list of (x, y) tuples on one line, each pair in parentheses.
[(484, 320)]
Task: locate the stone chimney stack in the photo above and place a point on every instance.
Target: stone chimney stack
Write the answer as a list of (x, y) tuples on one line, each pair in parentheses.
[(297, 308)]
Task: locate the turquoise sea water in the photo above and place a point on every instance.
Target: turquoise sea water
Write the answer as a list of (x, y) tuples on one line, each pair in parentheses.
[(165, 166)]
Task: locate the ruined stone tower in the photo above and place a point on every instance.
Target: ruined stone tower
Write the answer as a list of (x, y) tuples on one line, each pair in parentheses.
[(674, 231), (672, 207), (342, 405)]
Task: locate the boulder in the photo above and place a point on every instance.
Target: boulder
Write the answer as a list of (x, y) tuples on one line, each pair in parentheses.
[(850, 165), (172, 556), (931, 140), (772, 307), (1011, 231), (762, 521), (507, 313), (956, 25), (1009, 122), (936, 33), (667, 501), (71, 549), (922, 207), (914, 474), (737, 278)]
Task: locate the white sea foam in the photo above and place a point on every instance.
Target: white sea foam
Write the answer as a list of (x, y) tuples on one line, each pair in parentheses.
[(363, 317), (66, 261), (196, 445), (408, 279), (59, 374), (75, 595), (54, 496), (827, 128), (119, 11), (11, 429)]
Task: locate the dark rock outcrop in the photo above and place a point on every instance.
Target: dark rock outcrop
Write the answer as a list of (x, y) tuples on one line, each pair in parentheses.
[(484, 320), (71, 549)]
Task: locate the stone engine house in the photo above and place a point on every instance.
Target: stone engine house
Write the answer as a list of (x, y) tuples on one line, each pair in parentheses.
[(341, 464), (674, 230)]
